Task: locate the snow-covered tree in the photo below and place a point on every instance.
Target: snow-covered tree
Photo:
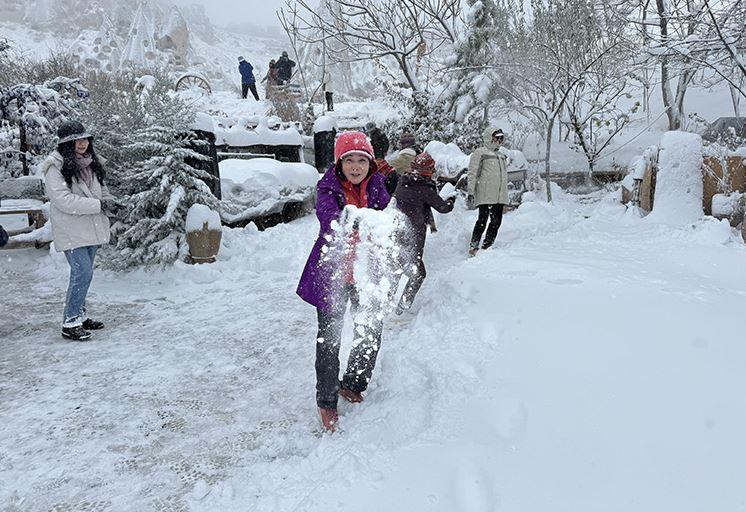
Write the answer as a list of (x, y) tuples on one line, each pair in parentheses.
[(29, 115), (472, 68), (687, 37), (546, 60), (153, 229), (358, 30), (117, 114)]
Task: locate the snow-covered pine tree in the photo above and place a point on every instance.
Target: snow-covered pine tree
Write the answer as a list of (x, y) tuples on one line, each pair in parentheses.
[(117, 115), (153, 231), (474, 63)]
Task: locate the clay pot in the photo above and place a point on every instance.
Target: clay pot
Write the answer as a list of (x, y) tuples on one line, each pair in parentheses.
[(204, 244)]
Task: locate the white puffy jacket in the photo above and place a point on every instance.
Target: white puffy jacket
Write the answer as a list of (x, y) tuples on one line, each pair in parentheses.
[(75, 212)]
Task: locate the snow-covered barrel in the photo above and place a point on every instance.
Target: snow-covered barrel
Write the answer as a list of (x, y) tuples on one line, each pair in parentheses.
[(203, 233), (324, 135)]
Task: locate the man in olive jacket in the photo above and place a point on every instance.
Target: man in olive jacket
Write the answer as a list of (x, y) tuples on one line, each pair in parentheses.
[(488, 187)]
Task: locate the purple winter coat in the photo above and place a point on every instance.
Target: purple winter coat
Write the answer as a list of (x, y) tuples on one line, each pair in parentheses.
[(317, 285)]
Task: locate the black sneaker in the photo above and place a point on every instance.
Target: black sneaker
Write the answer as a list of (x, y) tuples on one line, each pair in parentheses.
[(76, 333), (92, 325)]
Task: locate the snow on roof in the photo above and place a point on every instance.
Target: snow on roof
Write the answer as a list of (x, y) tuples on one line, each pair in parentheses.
[(204, 122), (239, 135), (679, 188)]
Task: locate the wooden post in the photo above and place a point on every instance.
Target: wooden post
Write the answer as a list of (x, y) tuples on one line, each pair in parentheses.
[(24, 142)]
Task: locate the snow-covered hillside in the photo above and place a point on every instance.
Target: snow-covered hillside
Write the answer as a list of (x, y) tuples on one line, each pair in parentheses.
[(575, 366)]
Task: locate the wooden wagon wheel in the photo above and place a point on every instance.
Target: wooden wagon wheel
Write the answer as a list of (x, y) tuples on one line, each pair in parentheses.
[(190, 81)]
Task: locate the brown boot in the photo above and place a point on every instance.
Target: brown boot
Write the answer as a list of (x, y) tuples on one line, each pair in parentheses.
[(473, 251), (350, 395), (329, 418)]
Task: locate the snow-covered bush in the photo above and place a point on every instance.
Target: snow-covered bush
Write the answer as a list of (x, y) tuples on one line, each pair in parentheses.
[(29, 116)]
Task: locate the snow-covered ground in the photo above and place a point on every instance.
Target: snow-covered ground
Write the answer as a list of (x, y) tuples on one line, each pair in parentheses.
[(590, 361)]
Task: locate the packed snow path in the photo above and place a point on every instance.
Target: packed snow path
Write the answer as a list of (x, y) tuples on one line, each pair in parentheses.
[(590, 361)]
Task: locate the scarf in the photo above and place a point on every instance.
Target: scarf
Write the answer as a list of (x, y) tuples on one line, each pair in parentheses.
[(84, 166)]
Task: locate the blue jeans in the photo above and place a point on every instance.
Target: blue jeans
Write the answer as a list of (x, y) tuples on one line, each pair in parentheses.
[(81, 274)]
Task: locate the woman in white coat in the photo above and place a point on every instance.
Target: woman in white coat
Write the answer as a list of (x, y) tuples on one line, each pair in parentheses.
[(488, 187), (74, 181)]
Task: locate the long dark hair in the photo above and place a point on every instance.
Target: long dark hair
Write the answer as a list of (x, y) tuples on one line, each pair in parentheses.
[(70, 167)]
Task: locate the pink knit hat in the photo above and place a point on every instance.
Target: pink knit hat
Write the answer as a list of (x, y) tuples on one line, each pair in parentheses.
[(353, 142)]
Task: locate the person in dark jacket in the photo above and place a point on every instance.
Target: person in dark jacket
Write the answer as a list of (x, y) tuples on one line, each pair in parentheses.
[(328, 282), (378, 139), (284, 69), (3, 237), (248, 83), (416, 195)]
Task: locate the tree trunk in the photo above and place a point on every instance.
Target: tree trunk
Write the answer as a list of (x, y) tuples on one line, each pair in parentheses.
[(23, 147), (736, 100), (547, 164)]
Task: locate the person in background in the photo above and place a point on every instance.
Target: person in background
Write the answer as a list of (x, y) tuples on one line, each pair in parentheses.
[(284, 69), (328, 282), (408, 149), (416, 196), (79, 203), (328, 87), (271, 76), (401, 160), (378, 139), (487, 187), (248, 83)]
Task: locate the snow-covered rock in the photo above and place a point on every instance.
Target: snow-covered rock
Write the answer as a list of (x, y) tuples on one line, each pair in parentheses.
[(725, 205)]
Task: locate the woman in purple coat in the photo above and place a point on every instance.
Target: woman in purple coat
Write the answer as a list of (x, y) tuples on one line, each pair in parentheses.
[(328, 282)]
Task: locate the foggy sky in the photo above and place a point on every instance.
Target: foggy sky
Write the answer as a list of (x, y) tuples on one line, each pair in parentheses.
[(226, 12)]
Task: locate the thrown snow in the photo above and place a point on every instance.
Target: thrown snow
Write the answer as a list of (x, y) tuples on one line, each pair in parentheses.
[(678, 188), (199, 215), (448, 191)]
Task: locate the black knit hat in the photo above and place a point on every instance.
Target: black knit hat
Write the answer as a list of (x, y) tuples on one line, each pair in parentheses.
[(72, 130)]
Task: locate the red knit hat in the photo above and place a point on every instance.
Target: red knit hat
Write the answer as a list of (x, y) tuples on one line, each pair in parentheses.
[(423, 164), (353, 142)]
